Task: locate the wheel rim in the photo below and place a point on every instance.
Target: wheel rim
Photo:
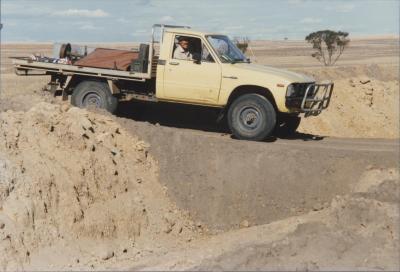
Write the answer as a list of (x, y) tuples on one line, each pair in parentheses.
[(92, 100), (249, 117)]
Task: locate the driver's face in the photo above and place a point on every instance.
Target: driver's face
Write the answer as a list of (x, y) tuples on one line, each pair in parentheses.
[(184, 44)]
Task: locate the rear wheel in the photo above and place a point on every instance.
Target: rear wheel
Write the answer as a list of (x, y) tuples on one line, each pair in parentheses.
[(94, 94), (251, 117)]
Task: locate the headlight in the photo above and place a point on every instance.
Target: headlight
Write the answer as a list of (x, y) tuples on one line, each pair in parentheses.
[(290, 90)]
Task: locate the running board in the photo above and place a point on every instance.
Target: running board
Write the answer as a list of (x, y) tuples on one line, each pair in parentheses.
[(142, 97)]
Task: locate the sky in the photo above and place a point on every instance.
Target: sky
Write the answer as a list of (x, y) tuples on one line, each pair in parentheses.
[(131, 20)]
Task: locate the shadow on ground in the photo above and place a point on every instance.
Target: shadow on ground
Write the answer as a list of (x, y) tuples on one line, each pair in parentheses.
[(190, 117)]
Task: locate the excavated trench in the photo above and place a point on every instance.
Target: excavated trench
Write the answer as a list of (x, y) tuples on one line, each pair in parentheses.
[(224, 182)]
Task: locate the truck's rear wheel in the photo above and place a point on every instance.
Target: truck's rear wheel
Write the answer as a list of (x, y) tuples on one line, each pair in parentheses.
[(94, 94), (251, 117)]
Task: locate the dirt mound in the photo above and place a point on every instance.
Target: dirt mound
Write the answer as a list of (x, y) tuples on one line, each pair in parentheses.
[(372, 71), (356, 232), (365, 102), (71, 179), (360, 107)]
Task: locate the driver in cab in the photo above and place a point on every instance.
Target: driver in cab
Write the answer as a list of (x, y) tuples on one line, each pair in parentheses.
[(182, 49)]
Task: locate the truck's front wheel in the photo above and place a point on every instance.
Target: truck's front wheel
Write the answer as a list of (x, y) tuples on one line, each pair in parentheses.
[(251, 117), (94, 94)]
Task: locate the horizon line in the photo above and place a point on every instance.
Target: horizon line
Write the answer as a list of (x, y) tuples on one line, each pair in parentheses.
[(356, 37)]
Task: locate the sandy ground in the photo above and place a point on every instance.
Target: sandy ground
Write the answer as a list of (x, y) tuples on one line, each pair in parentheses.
[(85, 190)]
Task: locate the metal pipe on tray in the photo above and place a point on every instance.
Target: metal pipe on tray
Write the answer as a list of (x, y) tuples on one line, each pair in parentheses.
[(71, 51)]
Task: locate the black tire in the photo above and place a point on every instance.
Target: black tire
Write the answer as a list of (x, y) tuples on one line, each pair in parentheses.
[(251, 117), (94, 94), (287, 125)]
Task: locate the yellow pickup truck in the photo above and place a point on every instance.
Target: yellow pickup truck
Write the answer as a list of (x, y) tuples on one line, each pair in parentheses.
[(181, 65)]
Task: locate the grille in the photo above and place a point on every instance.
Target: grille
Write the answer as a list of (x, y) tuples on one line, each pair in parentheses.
[(300, 89)]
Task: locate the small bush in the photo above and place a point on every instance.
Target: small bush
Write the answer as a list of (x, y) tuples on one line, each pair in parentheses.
[(329, 45)]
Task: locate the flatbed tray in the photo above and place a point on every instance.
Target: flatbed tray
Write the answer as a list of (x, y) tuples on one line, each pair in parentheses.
[(27, 66)]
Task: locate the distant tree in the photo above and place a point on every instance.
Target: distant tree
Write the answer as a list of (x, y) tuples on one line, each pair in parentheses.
[(242, 43), (329, 45)]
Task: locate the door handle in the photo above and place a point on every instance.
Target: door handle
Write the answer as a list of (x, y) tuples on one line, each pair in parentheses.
[(230, 77), (174, 63)]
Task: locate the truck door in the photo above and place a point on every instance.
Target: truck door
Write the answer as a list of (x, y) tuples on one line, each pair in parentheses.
[(186, 79)]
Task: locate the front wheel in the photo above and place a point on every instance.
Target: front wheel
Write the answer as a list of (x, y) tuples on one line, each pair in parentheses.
[(94, 94), (251, 117)]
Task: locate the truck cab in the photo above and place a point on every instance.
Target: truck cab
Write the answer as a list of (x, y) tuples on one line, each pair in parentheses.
[(218, 75)]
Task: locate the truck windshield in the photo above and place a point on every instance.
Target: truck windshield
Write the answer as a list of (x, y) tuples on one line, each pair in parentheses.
[(226, 49)]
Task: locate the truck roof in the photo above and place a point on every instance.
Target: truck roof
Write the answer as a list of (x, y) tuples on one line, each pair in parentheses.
[(190, 31)]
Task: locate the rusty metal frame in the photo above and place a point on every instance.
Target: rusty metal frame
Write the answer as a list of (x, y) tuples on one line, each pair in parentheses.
[(27, 67)]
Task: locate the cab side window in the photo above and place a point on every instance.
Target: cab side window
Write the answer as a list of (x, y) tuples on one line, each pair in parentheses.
[(190, 48), (186, 48)]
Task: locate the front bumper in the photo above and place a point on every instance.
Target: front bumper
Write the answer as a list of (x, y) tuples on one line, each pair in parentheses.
[(311, 98)]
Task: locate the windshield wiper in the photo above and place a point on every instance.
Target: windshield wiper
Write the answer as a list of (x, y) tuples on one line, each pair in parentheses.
[(228, 59), (242, 60)]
